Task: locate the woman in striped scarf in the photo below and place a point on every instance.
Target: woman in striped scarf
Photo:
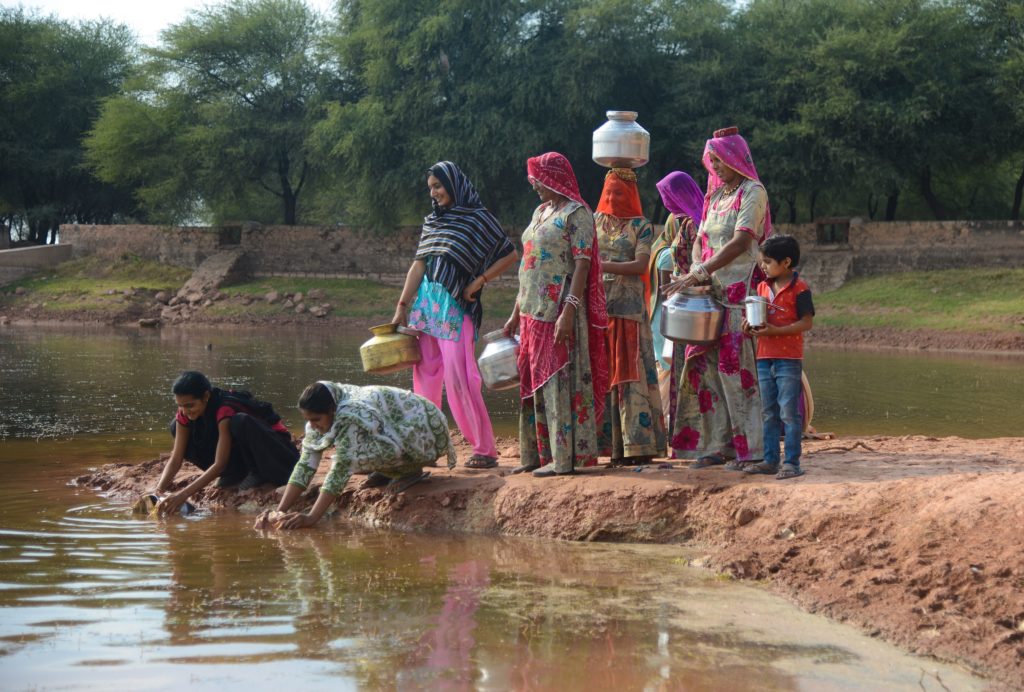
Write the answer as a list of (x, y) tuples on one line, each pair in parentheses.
[(461, 248)]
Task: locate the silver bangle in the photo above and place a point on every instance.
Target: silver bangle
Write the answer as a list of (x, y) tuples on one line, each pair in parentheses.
[(572, 300)]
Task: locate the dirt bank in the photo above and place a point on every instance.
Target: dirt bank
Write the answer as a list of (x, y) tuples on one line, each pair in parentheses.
[(917, 340), (914, 539)]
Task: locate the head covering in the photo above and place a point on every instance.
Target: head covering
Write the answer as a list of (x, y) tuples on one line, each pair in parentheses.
[(465, 237), (620, 197), (681, 195), (553, 171), (729, 146)]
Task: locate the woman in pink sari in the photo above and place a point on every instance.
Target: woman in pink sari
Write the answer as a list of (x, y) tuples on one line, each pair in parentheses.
[(716, 417), (561, 317)]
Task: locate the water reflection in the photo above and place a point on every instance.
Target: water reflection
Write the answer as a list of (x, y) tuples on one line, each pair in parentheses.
[(62, 382)]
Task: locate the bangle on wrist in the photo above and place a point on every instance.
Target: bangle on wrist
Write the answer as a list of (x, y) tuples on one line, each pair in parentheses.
[(484, 277), (403, 304)]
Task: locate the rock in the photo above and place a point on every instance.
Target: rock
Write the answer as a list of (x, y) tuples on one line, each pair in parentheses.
[(297, 298), (786, 533), (194, 297), (288, 304), (316, 294), (33, 306), (174, 301), (128, 292), (327, 307), (4, 320), (300, 308), (220, 295), (511, 452), (161, 297), (745, 515), (149, 322), (317, 311), (247, 300), (20, 291), (110, 292), (272, 297), (207, 303)]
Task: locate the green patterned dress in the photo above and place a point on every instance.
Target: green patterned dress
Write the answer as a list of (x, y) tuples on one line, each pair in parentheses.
[(384, 429)]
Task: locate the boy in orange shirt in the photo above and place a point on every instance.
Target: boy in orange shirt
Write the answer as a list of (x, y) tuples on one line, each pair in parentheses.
[(780, 352)]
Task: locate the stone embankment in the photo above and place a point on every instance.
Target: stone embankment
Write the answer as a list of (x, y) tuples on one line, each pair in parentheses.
[(913, 539)]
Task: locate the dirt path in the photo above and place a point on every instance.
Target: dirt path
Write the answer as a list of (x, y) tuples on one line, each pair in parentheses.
[(913, 539)]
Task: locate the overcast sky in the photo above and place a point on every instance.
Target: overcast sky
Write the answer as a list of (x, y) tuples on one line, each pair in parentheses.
[(146, 17)]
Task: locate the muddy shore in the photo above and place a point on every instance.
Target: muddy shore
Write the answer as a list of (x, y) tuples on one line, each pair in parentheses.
[(912, 539)]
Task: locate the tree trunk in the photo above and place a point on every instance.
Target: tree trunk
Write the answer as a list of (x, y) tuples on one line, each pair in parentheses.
[(938, 209), (814, 204), (872, 205), (1018, 192), (791, 201), (891, 199)]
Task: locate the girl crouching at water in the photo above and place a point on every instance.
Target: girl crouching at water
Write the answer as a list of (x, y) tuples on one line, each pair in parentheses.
[(387, 432), (233, 437)]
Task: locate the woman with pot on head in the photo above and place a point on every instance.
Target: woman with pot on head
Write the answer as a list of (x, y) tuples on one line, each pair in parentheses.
[(671, 256), (232, 436), (461, 248), (561, 318), (717, 416), (387, 432), (633, 431)]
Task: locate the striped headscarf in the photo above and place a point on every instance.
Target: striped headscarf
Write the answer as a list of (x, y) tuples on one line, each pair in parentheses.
[(460, 241)]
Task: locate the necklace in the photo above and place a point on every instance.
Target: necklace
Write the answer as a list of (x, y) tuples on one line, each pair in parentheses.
[(728, 191)]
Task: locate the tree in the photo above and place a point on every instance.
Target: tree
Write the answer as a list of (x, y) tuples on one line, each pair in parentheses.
[(218, 118), (53, 76)]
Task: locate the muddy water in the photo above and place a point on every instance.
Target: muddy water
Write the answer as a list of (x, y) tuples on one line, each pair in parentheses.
[(92, 598), (64, 382)]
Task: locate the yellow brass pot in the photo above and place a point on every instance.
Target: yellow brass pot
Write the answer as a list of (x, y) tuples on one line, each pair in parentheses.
[(389, 350)]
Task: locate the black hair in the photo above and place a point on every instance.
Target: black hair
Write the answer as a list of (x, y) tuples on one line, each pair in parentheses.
[(779, 247), (193, 383), (317, 398)]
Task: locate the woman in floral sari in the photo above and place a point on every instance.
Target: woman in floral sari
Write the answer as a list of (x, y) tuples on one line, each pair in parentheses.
[(561, 317), (462, 247), (717, 417), (387, 432), (634, 425), (671, 256)]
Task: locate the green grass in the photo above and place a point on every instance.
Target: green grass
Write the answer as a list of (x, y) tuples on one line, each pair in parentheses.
[(83, 284), (954, 300)]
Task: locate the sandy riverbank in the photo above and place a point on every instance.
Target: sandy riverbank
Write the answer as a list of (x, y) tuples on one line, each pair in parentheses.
[(913, 539)]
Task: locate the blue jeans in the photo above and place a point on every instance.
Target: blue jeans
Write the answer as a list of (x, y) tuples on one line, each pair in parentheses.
[(780, 383)]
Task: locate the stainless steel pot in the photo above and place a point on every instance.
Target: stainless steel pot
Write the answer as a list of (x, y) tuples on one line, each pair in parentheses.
[(692, 316), (499, 363), (756, 309), (621, 142)]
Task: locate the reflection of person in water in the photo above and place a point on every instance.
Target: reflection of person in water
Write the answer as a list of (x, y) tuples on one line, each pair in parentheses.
[(387, 432)]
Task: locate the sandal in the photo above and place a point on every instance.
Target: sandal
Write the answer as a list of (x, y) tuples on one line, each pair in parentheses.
[(762, 468), (375, 480), (400, 485), (789, 471), (525, 468), (479, 461), (708, 460)]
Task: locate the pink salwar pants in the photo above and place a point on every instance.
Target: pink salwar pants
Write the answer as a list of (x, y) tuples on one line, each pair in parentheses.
[(451, 365)]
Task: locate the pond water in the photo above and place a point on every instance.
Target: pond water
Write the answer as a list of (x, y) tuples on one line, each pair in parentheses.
[(91, 597)]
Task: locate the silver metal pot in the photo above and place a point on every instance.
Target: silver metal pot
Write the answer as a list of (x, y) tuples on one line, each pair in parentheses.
[(621, 142), (499, 363), (756, 309), (692, 316)]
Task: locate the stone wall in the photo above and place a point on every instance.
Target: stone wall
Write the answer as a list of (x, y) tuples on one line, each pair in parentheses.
[(22, 261), (871, 248)]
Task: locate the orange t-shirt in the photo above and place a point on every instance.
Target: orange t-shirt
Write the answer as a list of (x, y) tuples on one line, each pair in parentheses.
[(786, 307)]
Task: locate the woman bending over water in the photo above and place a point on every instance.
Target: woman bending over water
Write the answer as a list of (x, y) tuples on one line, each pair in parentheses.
[(233, 437), (387, 432)]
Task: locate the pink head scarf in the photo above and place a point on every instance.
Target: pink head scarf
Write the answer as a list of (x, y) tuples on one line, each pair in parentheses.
[(729, 146)]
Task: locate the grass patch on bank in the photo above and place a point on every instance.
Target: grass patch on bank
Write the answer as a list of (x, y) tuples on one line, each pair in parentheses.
[(87, 283), (360, 298), (968, 300)]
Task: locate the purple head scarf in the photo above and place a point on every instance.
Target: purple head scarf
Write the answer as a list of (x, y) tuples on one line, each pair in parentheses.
[(681, 195)]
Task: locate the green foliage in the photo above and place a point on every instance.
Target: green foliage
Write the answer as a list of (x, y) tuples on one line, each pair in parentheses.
[(218, 118), (53, 75)]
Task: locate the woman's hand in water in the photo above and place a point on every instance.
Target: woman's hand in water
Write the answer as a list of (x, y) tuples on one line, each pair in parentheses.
[(171, 504), (295, 520), (265, 521)]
